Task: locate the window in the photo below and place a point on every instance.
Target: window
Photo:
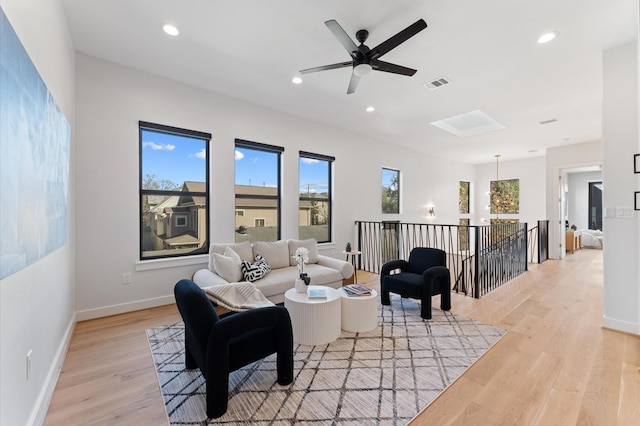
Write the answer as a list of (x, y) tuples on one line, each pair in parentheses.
[(595, 205), (314, 206), (257, 186), (505, 196), (390, 191), (463, 201), (174, 191), (463, 234)]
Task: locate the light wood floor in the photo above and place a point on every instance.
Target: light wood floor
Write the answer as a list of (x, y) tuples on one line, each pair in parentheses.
[(556, 366)]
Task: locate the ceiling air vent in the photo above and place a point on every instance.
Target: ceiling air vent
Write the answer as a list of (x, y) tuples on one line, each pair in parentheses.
[(552, 120), (437, 83)]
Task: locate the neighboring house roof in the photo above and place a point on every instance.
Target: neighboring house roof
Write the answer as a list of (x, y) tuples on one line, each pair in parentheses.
[(191, 186), (168, 203), (256, 190), (178, 209), (186, 238)]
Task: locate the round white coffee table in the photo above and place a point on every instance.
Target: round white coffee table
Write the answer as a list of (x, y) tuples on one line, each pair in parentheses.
[(360, 313), (315, 321)]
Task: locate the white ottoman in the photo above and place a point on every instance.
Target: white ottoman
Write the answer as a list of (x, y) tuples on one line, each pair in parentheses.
[(314, 321), (360, 313)]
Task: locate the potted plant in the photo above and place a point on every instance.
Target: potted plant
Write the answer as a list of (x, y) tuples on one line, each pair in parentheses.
[(348, 248), (302, 257)]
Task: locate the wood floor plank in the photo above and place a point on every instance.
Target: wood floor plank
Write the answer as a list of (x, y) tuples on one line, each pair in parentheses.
[(556, 366)]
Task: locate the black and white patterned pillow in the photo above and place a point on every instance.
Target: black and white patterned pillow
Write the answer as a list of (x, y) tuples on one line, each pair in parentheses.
[(254, 271)]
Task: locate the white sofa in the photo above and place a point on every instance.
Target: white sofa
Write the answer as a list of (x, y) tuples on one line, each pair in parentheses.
[(323, 270)]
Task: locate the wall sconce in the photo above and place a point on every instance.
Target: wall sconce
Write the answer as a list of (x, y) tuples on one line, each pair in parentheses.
[(431, 211)]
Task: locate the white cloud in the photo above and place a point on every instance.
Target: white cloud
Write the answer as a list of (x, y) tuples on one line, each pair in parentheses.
[(239, 155), (158, 147), (202, 154), (309, 160)]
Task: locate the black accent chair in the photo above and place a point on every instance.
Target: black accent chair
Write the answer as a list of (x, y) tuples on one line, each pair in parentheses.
[(218, 346), (423, 276)]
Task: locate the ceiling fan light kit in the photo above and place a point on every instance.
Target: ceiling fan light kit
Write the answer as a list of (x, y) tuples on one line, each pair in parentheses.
[(365, 60), (362, 69)]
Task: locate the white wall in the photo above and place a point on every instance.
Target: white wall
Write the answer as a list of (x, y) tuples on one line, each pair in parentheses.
[(530, 172), (621, 142), (578, 197), (111, 99), (37, 303)]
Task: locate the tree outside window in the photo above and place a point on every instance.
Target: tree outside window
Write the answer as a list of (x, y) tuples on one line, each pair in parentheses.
[(174, 191), (314, 206), (390, 191), (463, 202)]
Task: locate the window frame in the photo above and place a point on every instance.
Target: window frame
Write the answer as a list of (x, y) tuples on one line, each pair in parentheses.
[(180, 132), (399, 190), (258, 146), (329, 199)]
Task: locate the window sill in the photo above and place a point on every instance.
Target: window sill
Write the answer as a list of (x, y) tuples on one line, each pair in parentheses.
[(149, 265)]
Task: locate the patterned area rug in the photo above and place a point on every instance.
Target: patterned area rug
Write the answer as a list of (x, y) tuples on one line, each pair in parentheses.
[(382, 377)]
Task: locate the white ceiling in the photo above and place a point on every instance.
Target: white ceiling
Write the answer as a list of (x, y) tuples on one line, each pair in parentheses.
[(251, 49)]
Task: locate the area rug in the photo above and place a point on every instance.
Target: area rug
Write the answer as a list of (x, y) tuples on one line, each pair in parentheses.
[(382, 377)]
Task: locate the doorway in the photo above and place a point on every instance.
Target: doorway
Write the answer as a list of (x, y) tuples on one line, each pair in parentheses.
[(595, 205)]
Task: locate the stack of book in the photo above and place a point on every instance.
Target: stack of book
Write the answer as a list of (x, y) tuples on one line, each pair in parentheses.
[(354, 290)]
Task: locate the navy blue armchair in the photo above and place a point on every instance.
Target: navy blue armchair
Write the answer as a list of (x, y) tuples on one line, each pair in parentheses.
[(218, 346), (424, 275)]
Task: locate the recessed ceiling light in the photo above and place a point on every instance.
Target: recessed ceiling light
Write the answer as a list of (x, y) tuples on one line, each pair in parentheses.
[(170, 29), (370, 109), (546, 38), (296, 80)]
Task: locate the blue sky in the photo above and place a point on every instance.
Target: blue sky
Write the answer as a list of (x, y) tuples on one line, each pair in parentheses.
[(179, 159), (174, 158)]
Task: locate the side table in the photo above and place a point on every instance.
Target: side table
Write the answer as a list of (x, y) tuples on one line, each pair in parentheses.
[(360, 313), (353, 254), (315, 321)]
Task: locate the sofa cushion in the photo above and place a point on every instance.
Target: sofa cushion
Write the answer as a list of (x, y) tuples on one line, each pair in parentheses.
[(276, 253), (227, 265), (280, 280), (255, 271), (311, 245), (243, 250)]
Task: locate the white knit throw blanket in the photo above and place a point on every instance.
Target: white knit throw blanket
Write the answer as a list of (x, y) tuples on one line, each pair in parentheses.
[(237, 297)]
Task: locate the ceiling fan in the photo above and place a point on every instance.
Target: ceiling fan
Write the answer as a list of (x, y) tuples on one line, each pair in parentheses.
[(364, 59)]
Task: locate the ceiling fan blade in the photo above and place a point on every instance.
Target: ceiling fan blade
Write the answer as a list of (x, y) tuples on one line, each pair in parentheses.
[(327, 67), (397, 39), (342, 36), (379, 65), (353, 83)]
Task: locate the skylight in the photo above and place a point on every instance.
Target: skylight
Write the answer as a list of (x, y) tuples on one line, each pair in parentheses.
[(468, 124)]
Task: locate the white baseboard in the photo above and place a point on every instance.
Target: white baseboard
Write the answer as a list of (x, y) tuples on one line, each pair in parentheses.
[(619, 325), (122, 308), (41, 407)]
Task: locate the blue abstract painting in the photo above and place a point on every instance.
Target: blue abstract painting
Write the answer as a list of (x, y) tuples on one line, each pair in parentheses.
[(34, 160)]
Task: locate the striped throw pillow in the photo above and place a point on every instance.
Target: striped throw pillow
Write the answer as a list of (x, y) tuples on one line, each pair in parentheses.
[(254, 271)]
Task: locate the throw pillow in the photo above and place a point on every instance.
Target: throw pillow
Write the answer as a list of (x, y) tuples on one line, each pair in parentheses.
[(311, 245), (254, 271), (244, 250), (227, 265), (275, 253)]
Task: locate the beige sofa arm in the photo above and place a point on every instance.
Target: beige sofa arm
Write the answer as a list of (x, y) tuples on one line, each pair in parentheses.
[(345, 268), (206, 278)]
